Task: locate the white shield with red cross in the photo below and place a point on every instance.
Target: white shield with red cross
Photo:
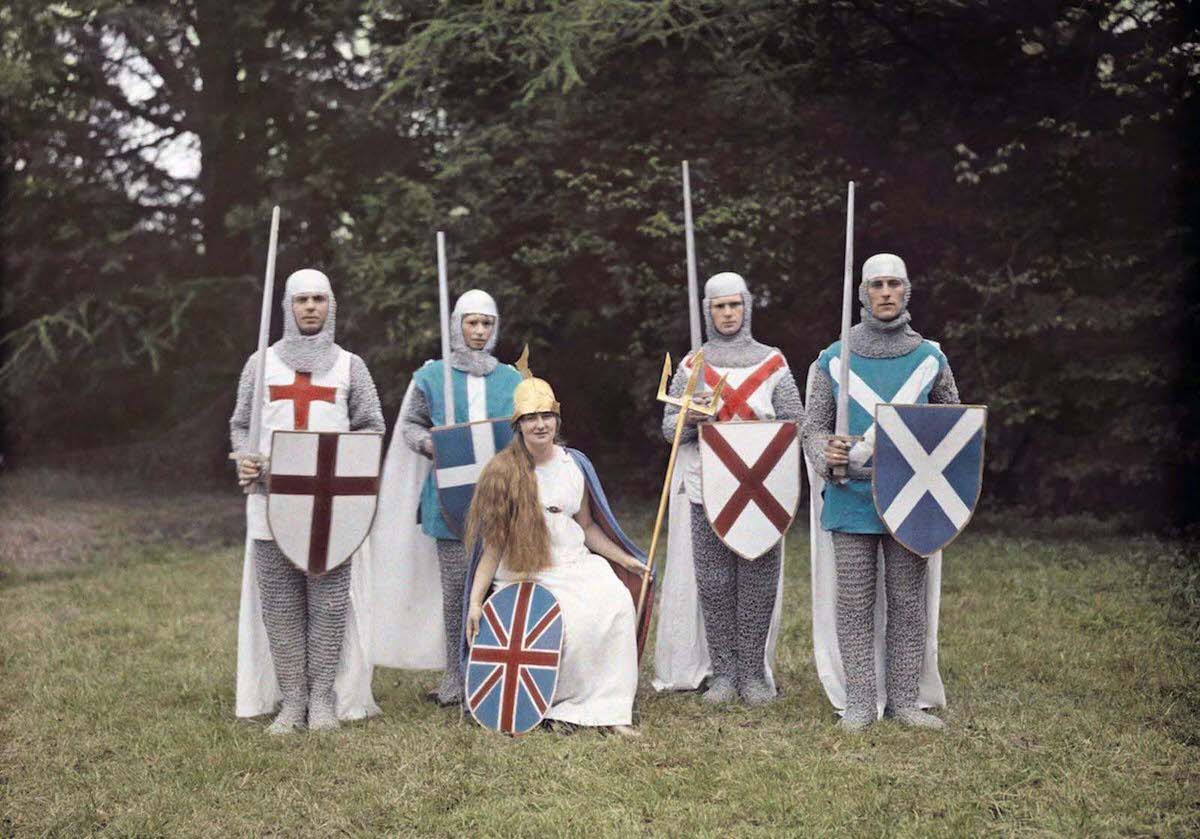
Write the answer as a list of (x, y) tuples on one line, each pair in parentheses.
[(321, 494), (750, 480)]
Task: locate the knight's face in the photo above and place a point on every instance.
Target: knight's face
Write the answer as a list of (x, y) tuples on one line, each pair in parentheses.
[(477, 330), (310, 312), (886, 295), (539, 429), (727, 313)]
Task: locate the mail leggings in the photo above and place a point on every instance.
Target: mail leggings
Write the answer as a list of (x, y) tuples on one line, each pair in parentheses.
[(737, 599), (452, 561), (857, 557), (305, 618)]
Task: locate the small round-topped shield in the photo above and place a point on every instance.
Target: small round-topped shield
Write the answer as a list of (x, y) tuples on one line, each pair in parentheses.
[(512, 668)]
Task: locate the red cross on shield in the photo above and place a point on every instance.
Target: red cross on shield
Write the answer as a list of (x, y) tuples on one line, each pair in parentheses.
[(750, 482), (321, 494)]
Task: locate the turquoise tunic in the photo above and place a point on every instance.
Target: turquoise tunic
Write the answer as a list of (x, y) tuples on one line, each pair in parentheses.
[(499, 386), (907, 379)]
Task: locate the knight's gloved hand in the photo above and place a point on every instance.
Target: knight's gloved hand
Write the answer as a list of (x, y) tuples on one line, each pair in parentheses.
[(703, 400), (250, 469)]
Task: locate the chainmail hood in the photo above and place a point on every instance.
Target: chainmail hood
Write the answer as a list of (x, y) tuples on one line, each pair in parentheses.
[(739, 349), (307, 353), (474, 362), (875, 338)]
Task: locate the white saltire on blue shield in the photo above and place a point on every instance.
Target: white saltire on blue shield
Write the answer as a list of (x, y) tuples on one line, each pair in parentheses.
[(867, 399), (483, 441), (933, 452)]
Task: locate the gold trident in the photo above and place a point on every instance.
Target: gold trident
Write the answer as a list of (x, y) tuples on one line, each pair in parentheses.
[(685, 404)]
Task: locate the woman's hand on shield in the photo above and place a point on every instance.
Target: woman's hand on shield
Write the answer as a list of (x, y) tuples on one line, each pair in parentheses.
[(474, 616)]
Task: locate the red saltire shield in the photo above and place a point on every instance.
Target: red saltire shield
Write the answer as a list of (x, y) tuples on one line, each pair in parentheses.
[(750, 482), (322, 493)]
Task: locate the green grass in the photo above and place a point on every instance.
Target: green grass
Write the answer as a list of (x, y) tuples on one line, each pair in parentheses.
[(1071, 669)]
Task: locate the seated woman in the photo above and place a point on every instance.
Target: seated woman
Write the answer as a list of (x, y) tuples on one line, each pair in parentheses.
[(532, 515)]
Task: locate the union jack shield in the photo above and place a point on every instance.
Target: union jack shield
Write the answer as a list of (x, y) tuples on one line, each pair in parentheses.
[(512, 668), (928, 471), (321, 494), (459, 454), (750, 482)]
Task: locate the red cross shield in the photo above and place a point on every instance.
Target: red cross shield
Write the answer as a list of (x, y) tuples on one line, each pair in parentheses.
[(750, 481), (321, 494)]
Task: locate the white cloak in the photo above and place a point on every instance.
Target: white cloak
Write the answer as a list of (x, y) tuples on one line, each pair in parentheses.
[(930, 691), (406, 597)]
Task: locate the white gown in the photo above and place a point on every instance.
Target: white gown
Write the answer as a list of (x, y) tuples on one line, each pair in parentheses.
[(598, 672)]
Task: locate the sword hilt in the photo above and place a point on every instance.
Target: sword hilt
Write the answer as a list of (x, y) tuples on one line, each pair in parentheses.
[(238, 457)]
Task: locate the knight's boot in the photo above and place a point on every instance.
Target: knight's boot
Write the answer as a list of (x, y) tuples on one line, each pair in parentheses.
[(452, 561), (281, 594), (757, 586), (328, 608), (904, 579), (857, 556), (716, 584)]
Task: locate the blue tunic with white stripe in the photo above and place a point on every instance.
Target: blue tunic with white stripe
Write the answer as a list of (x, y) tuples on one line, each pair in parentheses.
[(907, 379), (475, 398)]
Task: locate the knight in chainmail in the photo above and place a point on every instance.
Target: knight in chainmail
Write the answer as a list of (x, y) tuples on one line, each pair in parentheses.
[(305, 616), (737, 596), (896, 363), (488, 387)]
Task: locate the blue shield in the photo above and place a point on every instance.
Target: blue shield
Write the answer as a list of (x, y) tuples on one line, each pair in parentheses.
[(459, 454), (512, 668), (928, 471)]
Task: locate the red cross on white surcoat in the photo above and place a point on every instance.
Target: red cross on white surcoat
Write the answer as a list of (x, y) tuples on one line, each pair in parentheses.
[(735, 401), (302, 393)]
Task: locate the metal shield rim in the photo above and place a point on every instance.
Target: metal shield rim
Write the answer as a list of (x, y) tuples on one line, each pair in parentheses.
[(982, 451), (462, 529), (374, 511), (557, 669), (799, 490)]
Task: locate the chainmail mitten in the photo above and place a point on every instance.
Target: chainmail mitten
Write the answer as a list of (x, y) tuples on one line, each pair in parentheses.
[(452, 561), (904, 577), (716, 583), (281, 588), (328, 605), (757, 582), (857, 557)]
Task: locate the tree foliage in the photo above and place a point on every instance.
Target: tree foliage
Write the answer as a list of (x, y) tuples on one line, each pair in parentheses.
[(1034, 163)]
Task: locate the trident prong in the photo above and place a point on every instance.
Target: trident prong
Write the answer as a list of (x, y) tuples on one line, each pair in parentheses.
[(684, 403), (694, 379)]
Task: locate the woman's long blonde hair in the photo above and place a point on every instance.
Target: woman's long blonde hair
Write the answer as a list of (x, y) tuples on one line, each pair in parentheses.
[(506, 512)]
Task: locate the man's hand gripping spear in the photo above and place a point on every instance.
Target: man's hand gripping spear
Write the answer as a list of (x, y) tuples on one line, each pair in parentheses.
[(687, 404)]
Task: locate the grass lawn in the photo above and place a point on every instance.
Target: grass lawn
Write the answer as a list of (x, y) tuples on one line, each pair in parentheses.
[(1070, 665)]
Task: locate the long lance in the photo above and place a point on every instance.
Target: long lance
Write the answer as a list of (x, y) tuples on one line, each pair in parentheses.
[(689, 233), (842, 423), (685, 404), (444, 307), (264, 337)]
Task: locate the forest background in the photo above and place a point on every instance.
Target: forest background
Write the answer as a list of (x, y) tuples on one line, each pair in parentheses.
[(1037, 164)]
